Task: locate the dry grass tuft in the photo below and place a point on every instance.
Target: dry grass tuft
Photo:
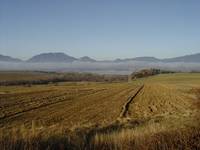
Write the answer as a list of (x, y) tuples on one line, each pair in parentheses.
[(152, 138)]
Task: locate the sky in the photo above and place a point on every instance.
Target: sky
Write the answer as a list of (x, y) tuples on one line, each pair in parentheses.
[(102, 29)]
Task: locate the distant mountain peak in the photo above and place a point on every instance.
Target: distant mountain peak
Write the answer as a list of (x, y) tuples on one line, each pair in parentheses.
[(146, 58), (185, 58), (9, 59), (87, 59), (52, 57)]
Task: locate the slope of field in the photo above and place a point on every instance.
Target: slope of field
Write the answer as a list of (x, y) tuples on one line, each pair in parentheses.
[(158, 112), (68, 104), (165, 114), (157, 99)]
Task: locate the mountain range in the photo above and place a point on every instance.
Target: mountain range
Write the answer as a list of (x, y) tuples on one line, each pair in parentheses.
[(64, 58), (9, 59), (52, 57)]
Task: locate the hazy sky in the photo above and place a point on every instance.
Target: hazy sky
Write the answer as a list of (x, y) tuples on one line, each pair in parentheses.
[(103, 29)]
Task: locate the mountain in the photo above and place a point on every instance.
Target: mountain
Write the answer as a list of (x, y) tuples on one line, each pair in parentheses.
[(62, 57), (147, 59), (186, 58), (87, 59), (151, 59), (9, 59), (52, 57), (195, 58)]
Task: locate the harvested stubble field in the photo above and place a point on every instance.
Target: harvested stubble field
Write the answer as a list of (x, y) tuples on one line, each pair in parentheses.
[(67, 104), (159, 112)]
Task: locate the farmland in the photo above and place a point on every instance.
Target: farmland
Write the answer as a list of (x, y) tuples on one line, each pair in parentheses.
[(74, 104), (162, 109)]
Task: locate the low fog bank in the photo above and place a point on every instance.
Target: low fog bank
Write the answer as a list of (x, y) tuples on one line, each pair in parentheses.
[(99, 67)]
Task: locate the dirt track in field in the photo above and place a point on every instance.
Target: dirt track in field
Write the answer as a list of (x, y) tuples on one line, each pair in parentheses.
[(125, 107)]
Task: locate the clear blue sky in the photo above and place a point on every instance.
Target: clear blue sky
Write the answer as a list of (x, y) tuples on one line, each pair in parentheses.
[(103, 29)]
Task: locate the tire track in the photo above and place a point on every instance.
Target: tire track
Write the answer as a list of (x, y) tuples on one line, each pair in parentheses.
[(125, 107)]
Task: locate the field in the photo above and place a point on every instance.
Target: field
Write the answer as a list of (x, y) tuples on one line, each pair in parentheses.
[(158, 112)]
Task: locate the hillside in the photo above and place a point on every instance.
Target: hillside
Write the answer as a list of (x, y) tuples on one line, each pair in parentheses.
[(146, 59), (186, 58), (87, 59), (52, 57), (9, 59), (194, 58)]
